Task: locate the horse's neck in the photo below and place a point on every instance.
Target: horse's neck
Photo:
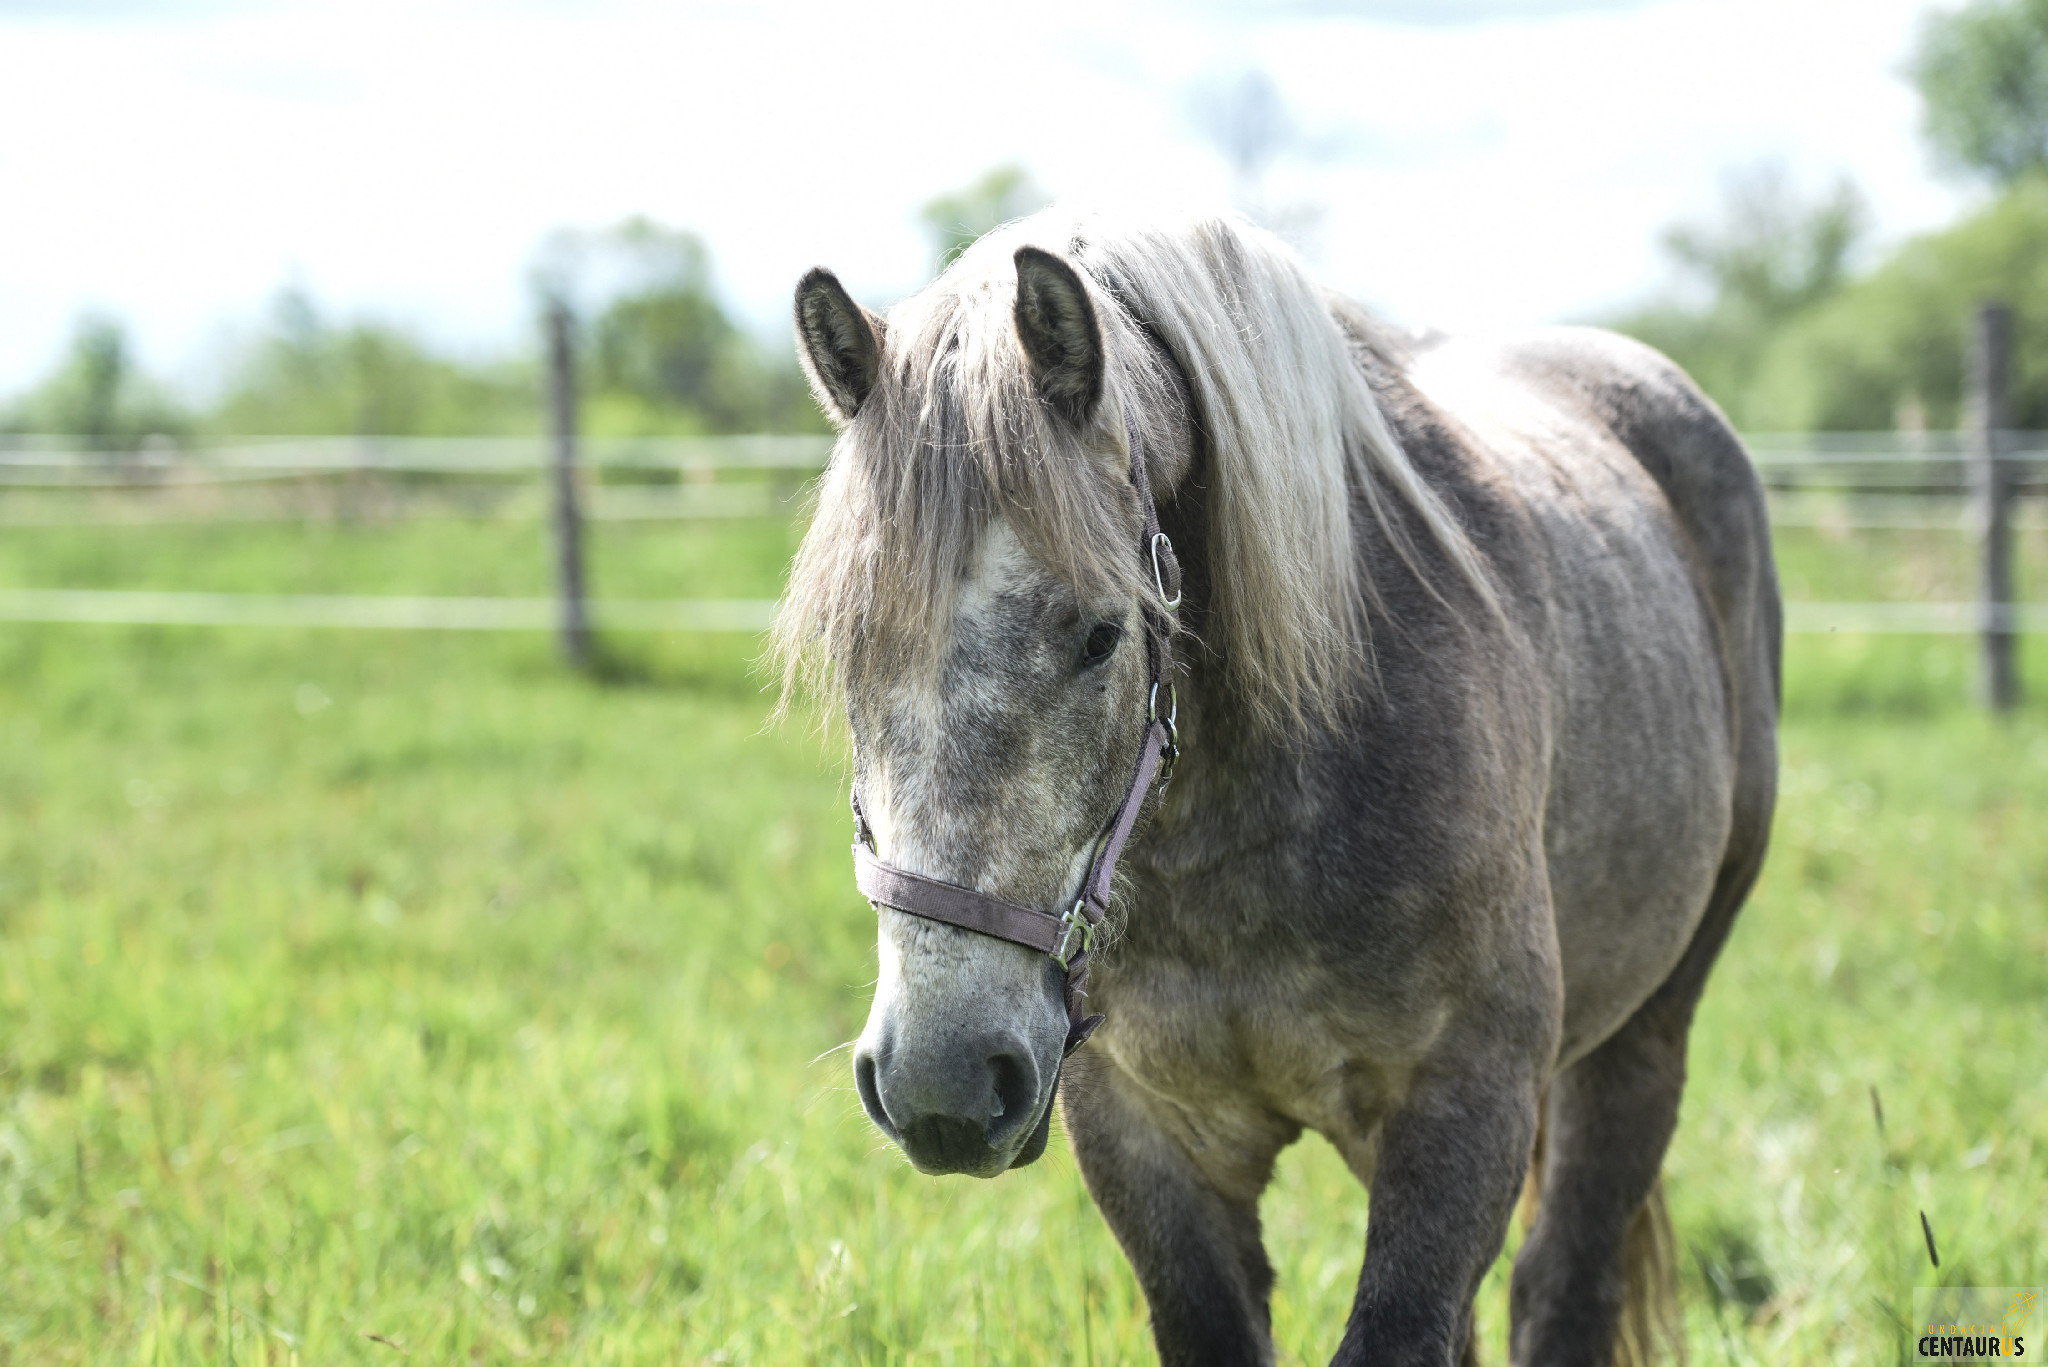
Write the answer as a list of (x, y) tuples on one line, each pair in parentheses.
[(1223, 786), (1235, 775)]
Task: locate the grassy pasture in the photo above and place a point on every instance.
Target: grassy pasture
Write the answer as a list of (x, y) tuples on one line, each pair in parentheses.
[(367, 997)]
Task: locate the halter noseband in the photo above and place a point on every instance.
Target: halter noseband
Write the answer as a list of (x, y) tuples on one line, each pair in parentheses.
[(1066, 939)]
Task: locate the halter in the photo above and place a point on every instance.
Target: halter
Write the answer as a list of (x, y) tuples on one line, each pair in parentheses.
[(1066, 939)]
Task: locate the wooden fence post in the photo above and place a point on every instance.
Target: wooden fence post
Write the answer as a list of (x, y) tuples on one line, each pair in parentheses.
[(568, 517), (1993, 476)]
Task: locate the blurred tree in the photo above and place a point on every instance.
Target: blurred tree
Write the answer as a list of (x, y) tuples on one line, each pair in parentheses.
[(304, 376), (1248, 121), (663, 355), (1779, 335), (97, 395), (1765, 256), (663, 341), (956, 219), (1892, 347), (1770, 252), (1983, 72), (100, 365), (663, 335)]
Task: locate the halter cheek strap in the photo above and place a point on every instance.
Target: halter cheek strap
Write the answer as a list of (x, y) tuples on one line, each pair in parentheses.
[(1067, 939)]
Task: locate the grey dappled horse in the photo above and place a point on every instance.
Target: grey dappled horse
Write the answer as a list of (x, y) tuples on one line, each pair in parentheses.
[(1477, 682)]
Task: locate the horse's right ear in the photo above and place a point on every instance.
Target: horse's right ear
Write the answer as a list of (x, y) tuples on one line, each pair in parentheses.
[(840, 343)]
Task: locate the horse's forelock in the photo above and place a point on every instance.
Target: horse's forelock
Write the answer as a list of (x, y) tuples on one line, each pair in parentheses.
[(952, 437)]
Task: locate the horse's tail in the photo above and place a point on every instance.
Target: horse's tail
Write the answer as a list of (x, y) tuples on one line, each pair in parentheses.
[(1651, 1326)]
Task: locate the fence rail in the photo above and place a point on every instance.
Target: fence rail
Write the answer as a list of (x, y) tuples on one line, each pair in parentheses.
[(1865, 462), (1826, 480), (530, 450), (60, 462), (1923, 481), (400, 612)]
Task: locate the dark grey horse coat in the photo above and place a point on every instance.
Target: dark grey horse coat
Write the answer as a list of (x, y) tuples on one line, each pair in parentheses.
[(1470, 894)]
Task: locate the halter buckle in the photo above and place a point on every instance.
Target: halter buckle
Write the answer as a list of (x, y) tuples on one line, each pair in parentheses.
[(1074, 923), (1158, 576)]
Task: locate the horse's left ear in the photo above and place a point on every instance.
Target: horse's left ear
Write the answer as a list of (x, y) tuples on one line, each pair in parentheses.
[(1061, 337)]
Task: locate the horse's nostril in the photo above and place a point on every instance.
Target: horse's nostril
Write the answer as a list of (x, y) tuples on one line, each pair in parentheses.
[(1015, 1084), (864, 1082)]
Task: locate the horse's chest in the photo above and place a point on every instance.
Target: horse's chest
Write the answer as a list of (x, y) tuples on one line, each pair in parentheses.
[(1285, 1038), (1305, 976)]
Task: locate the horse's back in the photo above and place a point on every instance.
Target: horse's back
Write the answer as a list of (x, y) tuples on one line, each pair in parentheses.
[(1683, 443), (1652, 604)]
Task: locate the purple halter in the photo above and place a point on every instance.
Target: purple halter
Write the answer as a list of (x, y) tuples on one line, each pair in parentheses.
[(1067, 938)]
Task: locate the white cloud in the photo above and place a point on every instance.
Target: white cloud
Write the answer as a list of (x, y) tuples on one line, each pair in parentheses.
[(405, 158)]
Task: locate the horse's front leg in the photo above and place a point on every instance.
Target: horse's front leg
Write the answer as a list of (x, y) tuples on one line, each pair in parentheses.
[(1450, 1163), (1189, 1224)]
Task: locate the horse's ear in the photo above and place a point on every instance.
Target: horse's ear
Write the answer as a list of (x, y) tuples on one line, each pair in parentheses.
[(840, 343), (1062, 339)]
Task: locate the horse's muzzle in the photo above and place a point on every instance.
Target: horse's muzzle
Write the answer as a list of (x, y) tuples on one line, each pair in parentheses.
[(981, 1107)]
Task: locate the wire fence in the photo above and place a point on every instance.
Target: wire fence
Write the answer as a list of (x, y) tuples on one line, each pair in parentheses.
[(56, 458), (399, 612), (1879, 471), (49, 481), (1839, 482), (408, 612)]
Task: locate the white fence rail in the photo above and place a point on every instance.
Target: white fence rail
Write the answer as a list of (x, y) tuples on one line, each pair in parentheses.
[(1851, 462), (395, 612), (124, 607), (1834, 480), (58, 462)]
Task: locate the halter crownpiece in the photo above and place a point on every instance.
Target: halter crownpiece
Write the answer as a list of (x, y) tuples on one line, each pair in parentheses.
[(1067, 939)]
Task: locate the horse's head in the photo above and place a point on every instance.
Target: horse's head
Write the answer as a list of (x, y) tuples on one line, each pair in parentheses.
[(973, 583)]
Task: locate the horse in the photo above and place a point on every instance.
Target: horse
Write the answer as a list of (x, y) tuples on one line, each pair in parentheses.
[(1464, 657)]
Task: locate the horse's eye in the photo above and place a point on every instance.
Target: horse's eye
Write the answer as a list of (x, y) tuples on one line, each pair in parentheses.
[(1101, 641)]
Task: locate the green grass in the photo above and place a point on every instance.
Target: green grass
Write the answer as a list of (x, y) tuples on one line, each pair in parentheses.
[(709, 559), (402, 985), (1895, 564)]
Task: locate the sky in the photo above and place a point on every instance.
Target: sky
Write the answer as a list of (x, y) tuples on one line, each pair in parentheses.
[(1465, 163)]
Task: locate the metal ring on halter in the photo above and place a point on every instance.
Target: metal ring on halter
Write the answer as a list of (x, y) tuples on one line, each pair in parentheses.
[(1169, 753), (1158, 577), (1074, 922), (1172, 705)]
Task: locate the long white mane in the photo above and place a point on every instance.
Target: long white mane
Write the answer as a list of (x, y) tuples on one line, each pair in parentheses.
[(1299, 461)]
